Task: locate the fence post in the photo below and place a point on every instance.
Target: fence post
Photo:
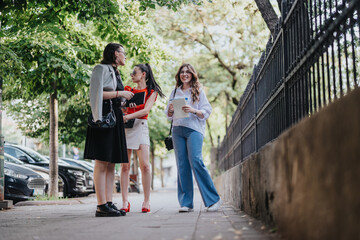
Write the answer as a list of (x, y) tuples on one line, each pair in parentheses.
[(255, 113), (285, 60)]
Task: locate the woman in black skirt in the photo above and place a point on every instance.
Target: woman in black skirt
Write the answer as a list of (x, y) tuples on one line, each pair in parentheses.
[(107, 146)]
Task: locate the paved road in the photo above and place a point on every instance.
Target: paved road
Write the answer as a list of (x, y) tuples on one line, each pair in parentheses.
[(75, 219)]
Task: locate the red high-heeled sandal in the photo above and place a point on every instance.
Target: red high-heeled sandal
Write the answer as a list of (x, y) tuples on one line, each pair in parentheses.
[(126, 209), (145, 210)]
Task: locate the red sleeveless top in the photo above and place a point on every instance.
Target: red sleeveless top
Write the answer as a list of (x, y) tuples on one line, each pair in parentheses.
[(142, 106)]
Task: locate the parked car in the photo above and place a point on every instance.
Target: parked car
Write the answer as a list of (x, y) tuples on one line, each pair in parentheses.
[(77, 181), (59, 160), (79, 163), (43, 172), (22, 183), (90, 164)]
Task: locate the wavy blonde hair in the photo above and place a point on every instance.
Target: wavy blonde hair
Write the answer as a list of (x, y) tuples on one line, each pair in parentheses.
[(194, 82)]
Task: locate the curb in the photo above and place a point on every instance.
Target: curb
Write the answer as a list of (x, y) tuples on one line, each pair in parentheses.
[(72, 201), (50, 202)]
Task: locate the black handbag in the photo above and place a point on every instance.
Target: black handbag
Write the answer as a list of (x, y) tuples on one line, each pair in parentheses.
[(129, 123), (168, 140), (169, 143), (108, 120)]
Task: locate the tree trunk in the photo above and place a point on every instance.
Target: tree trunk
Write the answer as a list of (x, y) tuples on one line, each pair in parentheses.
[(53, 187), (210, 135), (161, 172), (268, 14), (135, 165)]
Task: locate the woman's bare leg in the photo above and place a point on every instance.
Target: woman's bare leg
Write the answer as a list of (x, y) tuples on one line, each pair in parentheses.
[(100, 181), (124, 180), (110, 175), (144, 163)]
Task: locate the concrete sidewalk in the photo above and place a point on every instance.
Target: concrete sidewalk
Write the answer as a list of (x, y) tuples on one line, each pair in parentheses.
[(75, 219)]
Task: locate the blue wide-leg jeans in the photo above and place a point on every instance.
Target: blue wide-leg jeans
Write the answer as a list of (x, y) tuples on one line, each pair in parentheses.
[(188, 151)]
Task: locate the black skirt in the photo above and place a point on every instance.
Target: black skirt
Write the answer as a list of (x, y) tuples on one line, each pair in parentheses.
[(107, 145)]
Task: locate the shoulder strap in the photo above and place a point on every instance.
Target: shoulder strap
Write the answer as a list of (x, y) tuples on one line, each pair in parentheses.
[(172, 120)]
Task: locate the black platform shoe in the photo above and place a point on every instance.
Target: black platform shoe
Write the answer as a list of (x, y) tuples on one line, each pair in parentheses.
[(122, 212), (106, 211)]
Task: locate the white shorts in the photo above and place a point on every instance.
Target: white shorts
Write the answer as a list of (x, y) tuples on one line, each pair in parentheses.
[(138, 134)]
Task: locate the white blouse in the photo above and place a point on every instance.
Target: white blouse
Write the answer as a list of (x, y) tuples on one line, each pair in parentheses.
[(193, 121)]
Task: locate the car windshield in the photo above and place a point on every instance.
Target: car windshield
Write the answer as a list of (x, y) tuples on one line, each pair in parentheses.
[(76, 163), (63, 162), (11, 159), (91, 165), (36, 156)]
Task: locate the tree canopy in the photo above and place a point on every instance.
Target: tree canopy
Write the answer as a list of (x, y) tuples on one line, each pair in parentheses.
[(170, 4), (60, 41), (42, 42), (223, 41)]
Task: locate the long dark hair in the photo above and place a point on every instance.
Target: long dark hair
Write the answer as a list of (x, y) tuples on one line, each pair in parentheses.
[(194, 82), (150, 80), (109, 53)]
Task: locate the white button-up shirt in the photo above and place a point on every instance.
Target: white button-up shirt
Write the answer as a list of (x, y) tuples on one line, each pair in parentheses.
[(193, 121)]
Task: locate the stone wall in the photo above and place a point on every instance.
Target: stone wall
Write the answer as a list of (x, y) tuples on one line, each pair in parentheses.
[(306, 183)]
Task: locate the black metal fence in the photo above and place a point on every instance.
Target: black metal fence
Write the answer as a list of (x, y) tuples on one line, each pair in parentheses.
[(313, 59)]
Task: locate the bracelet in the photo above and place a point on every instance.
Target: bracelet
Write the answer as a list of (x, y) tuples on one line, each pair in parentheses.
[(117, 92), (194, 112)]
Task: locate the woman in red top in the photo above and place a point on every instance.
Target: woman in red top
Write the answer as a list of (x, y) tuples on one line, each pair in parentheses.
[(137, 137)]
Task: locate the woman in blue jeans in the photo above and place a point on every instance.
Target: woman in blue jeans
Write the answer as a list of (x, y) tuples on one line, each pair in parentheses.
[(188, 135)]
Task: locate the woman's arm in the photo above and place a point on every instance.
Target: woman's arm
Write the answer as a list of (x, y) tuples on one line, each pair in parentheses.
[(96, 92), (114, 94), (189, 109), (204, 107), (169, 110), (143, 112)]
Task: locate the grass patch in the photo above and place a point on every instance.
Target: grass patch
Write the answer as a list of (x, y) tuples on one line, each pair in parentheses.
[(47, 198)]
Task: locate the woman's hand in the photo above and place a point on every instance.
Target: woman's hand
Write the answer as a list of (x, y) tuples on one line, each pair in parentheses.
[(126, 94), (132, 105), (170, 110), (125, 118), (188, 109)]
